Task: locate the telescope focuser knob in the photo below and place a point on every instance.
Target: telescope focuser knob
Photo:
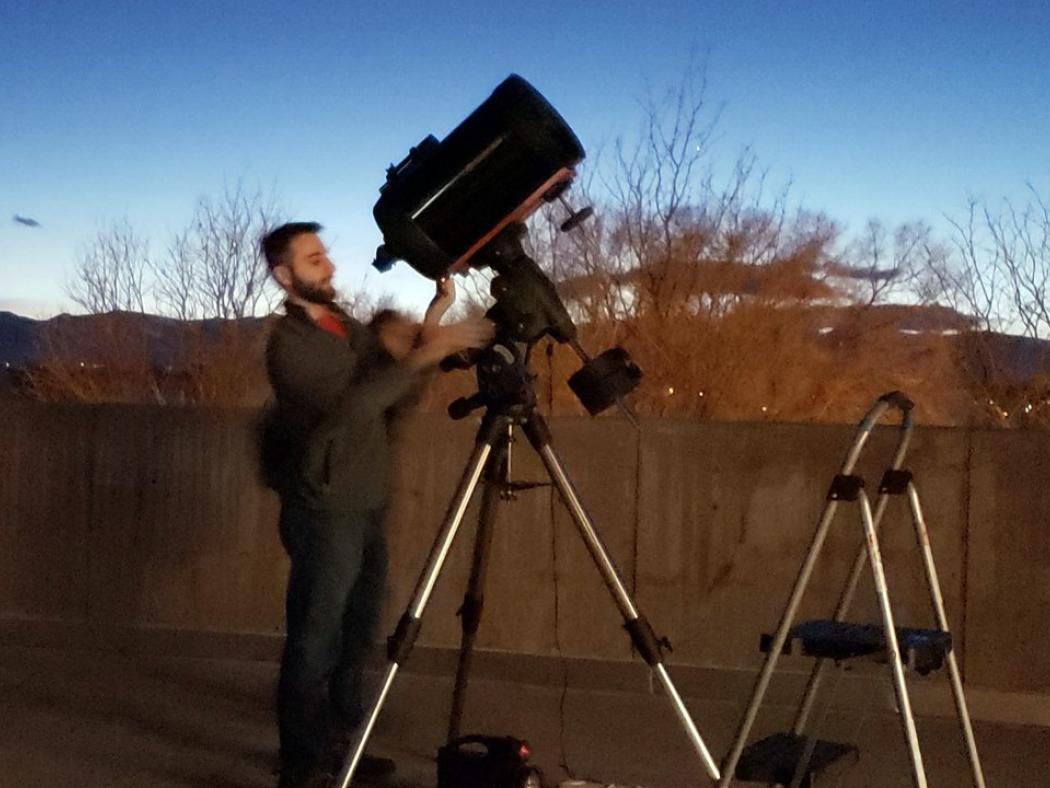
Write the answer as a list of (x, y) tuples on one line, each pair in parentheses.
[(576, 218)]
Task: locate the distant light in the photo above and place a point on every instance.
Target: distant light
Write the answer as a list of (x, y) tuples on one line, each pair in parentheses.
[(1028, 408), (81, 363), (825, 330), (670, 390), (764, 408), (700, 394)]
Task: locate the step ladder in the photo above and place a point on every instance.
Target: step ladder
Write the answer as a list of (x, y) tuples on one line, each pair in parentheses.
[(795, 759)]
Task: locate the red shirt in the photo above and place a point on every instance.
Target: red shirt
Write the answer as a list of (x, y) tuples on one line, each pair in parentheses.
[(332, 325)]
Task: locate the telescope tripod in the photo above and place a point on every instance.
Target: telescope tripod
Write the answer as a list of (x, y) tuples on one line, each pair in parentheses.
[(490, 460)]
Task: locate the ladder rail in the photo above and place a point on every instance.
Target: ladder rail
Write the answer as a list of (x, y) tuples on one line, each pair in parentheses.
[(900, 686), (933, 584)]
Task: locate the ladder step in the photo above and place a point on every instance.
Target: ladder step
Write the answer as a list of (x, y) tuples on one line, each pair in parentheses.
[(775, 758), (922, 650)]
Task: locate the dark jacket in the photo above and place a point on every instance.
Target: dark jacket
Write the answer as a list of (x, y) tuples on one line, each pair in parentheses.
[(325, 442)]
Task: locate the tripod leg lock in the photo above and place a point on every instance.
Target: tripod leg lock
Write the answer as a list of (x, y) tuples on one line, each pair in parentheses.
[(645, 641), (399, 645)]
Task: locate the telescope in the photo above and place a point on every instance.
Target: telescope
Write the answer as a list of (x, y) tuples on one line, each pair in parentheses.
[(462, 202), (447, 200), (457, 204)]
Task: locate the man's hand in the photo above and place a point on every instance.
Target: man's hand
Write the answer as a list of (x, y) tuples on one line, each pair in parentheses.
[(398, 336), (440, 304), (442, 341)]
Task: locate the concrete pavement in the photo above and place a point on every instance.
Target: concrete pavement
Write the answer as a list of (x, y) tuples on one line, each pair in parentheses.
[(98, 719)]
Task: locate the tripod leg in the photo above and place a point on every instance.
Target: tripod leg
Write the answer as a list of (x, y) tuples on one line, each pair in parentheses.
[(892, 647), (641, 632), (474, 599), (400, 643), (934, 585)]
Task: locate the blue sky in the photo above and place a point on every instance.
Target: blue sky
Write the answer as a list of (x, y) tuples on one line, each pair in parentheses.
[(130, 109)]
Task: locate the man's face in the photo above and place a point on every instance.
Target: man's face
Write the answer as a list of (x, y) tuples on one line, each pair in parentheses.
[(309, 270)]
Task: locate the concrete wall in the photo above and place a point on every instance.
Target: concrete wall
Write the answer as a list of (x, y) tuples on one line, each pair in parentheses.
[(153, 517)]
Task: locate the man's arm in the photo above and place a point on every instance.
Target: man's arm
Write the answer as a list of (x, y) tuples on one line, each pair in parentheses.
[(440, 303), (332, 383)]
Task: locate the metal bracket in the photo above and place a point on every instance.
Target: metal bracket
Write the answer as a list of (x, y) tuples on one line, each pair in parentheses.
[(845, 487), (895, 482)]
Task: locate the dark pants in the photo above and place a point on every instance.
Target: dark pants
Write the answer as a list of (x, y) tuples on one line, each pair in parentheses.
[(335, 594)]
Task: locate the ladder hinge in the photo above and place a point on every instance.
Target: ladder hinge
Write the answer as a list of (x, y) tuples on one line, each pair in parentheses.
[(845, 487), (895, 482)]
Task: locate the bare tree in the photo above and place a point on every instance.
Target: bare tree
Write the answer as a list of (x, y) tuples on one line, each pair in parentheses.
[(110, 274), (997, 268), (970, 275), (214, 268), (178, 280), (212, 280), (721, 292), (672, 226), (1021, 240), (880, 266), (362, 304)]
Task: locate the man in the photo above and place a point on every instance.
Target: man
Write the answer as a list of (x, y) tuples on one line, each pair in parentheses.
[(325, 451)]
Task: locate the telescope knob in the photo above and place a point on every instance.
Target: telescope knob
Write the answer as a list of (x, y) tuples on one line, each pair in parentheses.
[(462, 407), (384, 260), (576, 218)]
